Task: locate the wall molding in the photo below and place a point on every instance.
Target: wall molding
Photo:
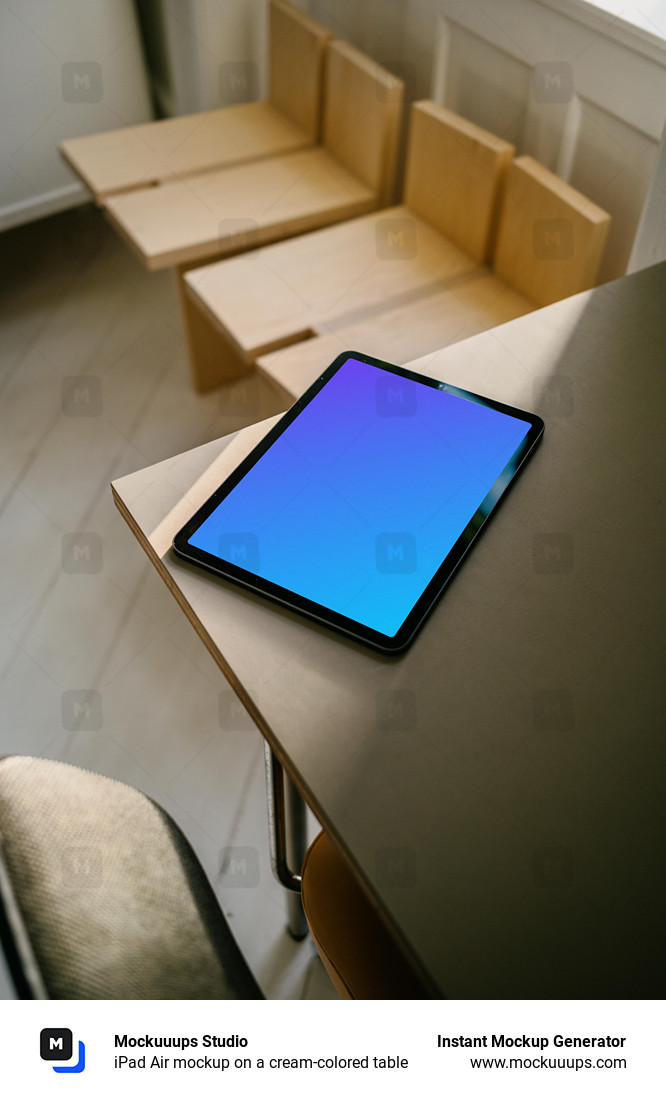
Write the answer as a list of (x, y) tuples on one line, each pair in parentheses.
[(618, 67), (41, 206)]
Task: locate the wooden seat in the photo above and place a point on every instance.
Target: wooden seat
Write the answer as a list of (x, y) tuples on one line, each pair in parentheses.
[(158, 152), (237, 208), (243, 308), (549, 245), (295, 288), (362, 959), (400, 335)]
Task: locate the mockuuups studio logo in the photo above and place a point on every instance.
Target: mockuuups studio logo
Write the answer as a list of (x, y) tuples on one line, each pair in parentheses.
[(56, 1045), (238, 81), (553, 82), (552, 238), (552, 553), (395, 396), (240, 235), (82, 82), (81, 710), (395, 552), (82, 552), (82, 395), (396, 710), (395, 239), (233, 715), (555, 396), (240, 548), (239, 867), (396, 867)]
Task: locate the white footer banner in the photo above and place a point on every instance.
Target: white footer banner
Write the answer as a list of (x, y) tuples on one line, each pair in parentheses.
[(461, 1049)]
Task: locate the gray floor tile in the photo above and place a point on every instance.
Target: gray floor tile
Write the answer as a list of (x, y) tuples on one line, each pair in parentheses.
[(98, 666)]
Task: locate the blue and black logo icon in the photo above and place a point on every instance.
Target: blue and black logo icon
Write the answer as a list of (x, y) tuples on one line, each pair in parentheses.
[(56, 1044)]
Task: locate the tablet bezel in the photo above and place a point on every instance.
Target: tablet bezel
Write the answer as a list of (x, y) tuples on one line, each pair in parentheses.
[(433, 590)]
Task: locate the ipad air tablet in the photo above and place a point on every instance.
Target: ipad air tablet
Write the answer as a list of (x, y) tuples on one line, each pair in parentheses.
[(359, 504)]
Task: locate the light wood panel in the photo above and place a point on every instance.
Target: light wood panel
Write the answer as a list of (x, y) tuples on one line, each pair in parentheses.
[(399, 335), (218, 213), (211, 357), (362, 113), (159, 152), (297, 45), (455, 173), (550, 238), (337, 274)]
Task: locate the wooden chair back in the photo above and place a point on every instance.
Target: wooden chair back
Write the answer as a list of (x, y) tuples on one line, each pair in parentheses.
[(454, 176), (297, 48), (362, 113), (550, 238)]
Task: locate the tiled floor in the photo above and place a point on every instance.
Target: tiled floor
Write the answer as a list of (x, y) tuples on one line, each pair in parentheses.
[(75, 302)]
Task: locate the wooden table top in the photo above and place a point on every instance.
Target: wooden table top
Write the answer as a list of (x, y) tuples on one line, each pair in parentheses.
[(499, 787)]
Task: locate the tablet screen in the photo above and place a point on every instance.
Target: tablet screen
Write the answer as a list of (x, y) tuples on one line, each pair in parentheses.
[(357, 503)]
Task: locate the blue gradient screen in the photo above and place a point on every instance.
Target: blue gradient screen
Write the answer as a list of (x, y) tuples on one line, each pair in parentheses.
[(356, 505)]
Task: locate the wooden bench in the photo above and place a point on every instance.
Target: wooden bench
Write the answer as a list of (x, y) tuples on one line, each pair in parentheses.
[(231, 211), (221, 212), (549, 246), (156, 152), (242, 308)]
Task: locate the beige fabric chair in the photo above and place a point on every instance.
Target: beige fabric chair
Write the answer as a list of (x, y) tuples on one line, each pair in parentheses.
[(102, 896)]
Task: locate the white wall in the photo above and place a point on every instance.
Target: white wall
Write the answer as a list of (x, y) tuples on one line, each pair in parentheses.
[(66, 68), (580, 92), (650, 244), (399, 34), (204, 36), (213, 53), (217, 53)]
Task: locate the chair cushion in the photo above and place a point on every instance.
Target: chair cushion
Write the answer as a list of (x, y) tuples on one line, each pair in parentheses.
[(359, 953), (113, 900)]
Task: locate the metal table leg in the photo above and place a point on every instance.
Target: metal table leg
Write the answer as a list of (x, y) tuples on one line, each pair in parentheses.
[(288, 841)]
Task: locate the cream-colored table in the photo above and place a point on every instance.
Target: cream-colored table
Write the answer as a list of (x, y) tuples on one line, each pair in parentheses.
[(499, 787)]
